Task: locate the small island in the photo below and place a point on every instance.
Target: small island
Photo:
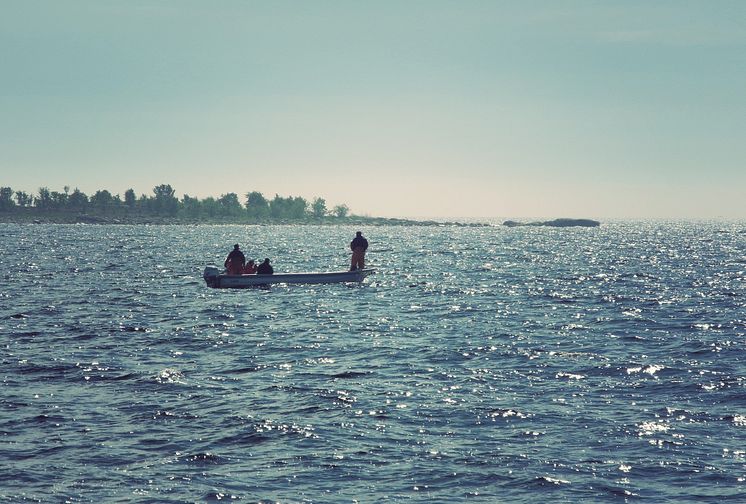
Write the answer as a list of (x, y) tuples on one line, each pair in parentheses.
[(555, 223)]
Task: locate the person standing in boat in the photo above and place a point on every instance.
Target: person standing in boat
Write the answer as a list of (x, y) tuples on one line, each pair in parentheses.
[(235, 261), (265, 268), (358, 245)]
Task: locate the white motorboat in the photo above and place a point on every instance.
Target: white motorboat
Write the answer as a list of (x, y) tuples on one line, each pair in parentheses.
[(220, 280)]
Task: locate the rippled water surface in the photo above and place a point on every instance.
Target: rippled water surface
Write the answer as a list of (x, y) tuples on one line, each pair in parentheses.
[(486, 364)]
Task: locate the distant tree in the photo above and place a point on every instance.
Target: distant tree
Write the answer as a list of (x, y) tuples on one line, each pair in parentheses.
[(298, 207), (279, 207), (77, 200), (165, 201), (341, 211), (145, 204), (6, 199), (229, 205), (58, 199), (210, 206), (102, 201), (257, 205), (43, 200), (23, 199), (191, 206), (288, 208), (318, 208), (164, 191), (130, 200)]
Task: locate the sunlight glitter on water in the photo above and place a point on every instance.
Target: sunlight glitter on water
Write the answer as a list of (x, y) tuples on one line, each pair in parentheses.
[(486, 363)]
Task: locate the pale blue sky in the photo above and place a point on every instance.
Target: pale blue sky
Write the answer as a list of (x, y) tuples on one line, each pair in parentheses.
[(496, 109)]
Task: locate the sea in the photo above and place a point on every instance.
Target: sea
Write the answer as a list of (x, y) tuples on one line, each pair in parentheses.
[(478, 363)]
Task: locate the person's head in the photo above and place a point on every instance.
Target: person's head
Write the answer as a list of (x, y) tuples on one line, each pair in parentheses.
[(251, 261), (266, 260), (359, 233), (235, 247)]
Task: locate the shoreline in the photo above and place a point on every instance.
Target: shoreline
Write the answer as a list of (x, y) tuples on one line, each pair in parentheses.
[(30, 216)]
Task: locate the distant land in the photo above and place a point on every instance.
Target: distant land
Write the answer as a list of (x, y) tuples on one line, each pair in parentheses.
[(163, 207), (556, 223)]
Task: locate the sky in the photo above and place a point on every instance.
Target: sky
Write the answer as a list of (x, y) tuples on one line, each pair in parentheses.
[(397, 108)]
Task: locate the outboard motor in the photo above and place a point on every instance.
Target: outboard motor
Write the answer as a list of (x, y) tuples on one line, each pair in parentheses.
[(211, 276)]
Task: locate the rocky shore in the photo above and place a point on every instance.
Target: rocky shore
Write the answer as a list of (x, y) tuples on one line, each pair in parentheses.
[(555, 223), (33, 216)]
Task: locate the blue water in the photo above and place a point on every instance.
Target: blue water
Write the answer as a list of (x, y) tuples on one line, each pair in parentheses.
[(484, 364)]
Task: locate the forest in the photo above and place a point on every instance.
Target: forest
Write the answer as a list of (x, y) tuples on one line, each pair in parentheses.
[(161, 206)]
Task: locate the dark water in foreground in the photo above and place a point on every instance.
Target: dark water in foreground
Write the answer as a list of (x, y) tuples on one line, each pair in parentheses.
[(483, 364)]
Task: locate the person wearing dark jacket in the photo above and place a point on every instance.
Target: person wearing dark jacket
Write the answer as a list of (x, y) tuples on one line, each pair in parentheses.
[(235, 261), (265, 268), (358, 245)]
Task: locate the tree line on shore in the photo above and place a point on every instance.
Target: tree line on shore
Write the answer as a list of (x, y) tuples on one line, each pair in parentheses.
[(164, 204)]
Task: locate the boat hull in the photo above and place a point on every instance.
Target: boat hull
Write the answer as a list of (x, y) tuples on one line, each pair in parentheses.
[(218, 280)]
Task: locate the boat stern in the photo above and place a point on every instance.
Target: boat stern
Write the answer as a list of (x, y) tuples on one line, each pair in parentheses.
[(211, 276)]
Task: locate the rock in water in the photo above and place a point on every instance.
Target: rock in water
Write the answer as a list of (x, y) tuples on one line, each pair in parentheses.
[(556, 223)]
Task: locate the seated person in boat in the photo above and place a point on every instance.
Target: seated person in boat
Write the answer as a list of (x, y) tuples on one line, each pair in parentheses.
[(265, 268), (235, 261), (250, 268)]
